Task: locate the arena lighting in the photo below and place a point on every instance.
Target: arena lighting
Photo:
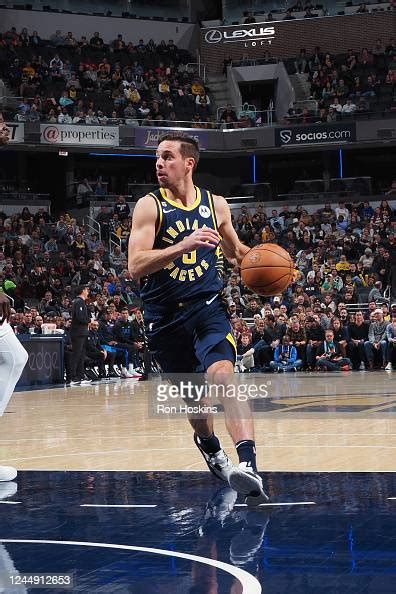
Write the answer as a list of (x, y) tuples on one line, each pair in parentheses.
[(341, 163), (119, 155), (254, 177)]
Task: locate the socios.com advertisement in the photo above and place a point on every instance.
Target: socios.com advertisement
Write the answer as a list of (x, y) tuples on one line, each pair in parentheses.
[(320, 134)]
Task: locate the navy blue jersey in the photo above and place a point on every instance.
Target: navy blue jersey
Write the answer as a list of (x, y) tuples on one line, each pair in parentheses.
[(191, 275)]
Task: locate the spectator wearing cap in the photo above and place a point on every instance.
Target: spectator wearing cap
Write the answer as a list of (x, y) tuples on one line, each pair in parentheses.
[(376, 343), (232, 310)]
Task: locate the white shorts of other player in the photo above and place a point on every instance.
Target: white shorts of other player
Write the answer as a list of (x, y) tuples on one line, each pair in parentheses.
[(13, 359)]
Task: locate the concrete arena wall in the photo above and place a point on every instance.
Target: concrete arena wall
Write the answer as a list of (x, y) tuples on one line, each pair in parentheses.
[(46, 23)]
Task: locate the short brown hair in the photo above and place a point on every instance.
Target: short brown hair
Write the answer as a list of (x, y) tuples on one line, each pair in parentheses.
[(188, 145)]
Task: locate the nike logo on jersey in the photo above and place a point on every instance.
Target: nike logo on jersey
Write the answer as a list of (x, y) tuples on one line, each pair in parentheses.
[(169, 210), (209, 301)]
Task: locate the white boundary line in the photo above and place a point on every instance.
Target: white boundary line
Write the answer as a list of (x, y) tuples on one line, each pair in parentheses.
[(265, 471), (104, 505), (285, 503), (250, 585), (10, 502)]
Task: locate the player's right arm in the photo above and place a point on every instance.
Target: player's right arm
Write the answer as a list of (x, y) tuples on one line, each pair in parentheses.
[(142, 258)]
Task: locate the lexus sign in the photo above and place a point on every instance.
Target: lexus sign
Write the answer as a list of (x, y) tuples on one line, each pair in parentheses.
[(250, 36), (320, 134)]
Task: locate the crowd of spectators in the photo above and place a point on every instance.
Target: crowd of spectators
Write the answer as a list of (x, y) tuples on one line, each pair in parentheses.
[(337, 313), (303, 9), (346, 85), (85, 81), (345, 258)]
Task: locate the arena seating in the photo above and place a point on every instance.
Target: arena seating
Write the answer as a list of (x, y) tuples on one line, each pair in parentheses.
[(341, 253)]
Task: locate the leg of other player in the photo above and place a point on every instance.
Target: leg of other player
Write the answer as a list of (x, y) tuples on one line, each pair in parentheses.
[(13, 358)]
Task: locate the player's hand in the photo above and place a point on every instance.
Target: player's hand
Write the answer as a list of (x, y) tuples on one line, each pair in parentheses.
[(208, 238), (4, 133)]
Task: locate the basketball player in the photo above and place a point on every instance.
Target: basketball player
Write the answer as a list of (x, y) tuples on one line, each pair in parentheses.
[(175, 241), (13, 358)]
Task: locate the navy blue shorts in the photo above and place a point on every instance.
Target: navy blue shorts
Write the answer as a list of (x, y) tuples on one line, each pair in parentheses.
[(189, 339)]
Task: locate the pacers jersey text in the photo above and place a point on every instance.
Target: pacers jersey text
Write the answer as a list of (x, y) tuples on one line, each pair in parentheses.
[(191, 275)]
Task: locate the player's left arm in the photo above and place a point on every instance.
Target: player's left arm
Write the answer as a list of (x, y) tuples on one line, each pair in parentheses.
[(233, 249)]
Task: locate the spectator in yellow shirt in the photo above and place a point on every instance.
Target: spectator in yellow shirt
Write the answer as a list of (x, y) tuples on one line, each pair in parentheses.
[(28, 70), (197, 88), (343, 265)]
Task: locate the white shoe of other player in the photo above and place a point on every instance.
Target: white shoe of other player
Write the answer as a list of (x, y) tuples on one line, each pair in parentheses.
[(7, 490), (7, 473)]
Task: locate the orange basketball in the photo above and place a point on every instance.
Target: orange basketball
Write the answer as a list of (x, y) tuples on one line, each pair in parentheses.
[(267, 269)]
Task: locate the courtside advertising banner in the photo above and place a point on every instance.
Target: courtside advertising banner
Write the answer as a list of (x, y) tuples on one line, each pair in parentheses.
[(149, 137), (66, 134), (319, 134), (17, 131)]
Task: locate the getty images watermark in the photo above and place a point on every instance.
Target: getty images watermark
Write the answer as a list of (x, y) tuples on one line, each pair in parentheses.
[(195, 395)]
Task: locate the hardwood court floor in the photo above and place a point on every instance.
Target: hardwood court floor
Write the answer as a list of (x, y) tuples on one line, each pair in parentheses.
[(307, 423)]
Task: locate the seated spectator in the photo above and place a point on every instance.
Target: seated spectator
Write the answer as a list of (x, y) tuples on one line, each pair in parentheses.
[(64, 117), (358, 335), (340, 333), (249, 19), (349, 107), (96, 41), (285, 357), (245, 352), (329, 357), (289, 15), (375, 293), (391, 349), (376, 344), (98, 355), (297, 335), (362, 9), (315, 336)]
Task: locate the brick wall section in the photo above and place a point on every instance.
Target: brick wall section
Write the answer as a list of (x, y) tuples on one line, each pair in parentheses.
[(334, 34)]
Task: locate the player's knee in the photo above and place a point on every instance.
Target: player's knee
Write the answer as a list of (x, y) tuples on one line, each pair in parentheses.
[(221, 372)]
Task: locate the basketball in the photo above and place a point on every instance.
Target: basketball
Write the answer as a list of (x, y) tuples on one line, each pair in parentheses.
[(267, 269)]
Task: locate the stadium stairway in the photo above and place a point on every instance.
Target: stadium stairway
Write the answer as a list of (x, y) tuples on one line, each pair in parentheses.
[(219, 91), (301, 86)]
